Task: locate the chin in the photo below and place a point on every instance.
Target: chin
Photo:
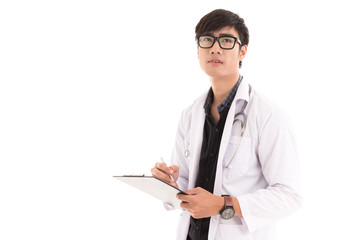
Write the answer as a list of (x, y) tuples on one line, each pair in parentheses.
[(216, 74)]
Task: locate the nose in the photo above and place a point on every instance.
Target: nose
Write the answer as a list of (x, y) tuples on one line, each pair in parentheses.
[(216, 48)]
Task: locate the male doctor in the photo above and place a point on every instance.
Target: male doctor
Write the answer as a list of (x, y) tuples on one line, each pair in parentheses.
[(235, 150)]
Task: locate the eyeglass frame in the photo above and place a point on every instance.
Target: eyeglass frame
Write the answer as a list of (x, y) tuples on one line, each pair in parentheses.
[(218, 40)]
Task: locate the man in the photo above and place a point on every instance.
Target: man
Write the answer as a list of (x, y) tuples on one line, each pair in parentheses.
[(235, 152)]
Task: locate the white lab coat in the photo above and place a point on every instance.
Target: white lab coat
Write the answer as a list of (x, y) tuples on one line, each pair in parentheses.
[(264, 172)]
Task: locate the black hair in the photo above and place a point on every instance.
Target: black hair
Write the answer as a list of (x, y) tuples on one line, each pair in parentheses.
[(220, 18)]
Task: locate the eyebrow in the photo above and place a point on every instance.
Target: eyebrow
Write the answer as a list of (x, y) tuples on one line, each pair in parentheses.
[(220, 35), (226, 35)]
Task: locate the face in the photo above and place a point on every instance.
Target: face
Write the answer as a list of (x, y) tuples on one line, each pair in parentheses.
[(221, 63)]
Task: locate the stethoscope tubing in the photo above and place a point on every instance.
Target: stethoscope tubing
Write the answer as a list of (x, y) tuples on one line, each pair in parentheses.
[(243, 126)]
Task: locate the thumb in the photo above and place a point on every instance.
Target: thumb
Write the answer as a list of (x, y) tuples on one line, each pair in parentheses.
[(192, 191)]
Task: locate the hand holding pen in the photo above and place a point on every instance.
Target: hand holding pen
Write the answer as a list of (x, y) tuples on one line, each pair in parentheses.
[(168, 174)]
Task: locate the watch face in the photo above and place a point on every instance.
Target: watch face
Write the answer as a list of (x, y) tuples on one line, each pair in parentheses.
[(228, 213)]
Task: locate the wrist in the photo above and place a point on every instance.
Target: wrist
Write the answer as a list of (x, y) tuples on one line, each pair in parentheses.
[(219, 204)]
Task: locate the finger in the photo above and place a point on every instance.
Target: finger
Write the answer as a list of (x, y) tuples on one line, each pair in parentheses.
[(175, 173), (174, 184), (162, 167), (161, 175), (185, 205), (169, 171), (192, 191), (164, 177), (183, 197)]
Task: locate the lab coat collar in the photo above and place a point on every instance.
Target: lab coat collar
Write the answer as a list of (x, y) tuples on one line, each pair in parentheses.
[(227, 101), (243, 91)]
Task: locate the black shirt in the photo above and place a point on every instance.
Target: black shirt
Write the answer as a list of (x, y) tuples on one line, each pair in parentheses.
[(199, 228)]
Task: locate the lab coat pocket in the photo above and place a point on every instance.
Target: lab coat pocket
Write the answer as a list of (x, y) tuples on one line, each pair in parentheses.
[(233, 232), (237, 157)]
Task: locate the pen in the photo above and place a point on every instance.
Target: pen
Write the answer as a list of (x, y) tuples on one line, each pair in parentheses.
[(162, 160)]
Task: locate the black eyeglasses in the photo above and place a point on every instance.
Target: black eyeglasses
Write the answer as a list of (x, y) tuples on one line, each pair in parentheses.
[(225, 42)]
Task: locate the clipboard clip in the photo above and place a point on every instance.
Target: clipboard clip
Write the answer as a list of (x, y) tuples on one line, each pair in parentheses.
[(139, 175)]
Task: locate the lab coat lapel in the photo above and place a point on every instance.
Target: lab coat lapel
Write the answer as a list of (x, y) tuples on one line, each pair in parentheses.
[(224, 142), (242, 93), (197, 129)]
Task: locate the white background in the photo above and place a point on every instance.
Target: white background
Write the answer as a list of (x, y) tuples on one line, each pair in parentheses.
[(92, 89)]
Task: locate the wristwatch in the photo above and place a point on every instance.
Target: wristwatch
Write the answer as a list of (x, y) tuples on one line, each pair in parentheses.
[(228, 210)]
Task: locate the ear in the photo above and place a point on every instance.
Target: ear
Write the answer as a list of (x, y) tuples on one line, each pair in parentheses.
[(198, 51), (243, 51)]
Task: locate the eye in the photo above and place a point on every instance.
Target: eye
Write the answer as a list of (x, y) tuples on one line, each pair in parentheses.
[(227, 40), (206, 41)]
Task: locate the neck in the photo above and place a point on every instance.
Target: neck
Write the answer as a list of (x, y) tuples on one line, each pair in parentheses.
[(222, 87)]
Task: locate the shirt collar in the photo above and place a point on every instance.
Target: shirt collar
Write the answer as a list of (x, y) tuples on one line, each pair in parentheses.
[(226, 103)]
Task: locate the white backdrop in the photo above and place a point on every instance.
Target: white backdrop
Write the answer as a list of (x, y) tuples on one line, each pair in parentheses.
[(92, 89)]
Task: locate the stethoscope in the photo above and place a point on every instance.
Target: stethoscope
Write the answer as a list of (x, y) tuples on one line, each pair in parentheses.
[(242, 118)]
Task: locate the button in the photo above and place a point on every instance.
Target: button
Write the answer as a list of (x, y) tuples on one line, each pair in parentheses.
[(186, 153), (216, 130), (207, 179), (211, 154), (197, 228)]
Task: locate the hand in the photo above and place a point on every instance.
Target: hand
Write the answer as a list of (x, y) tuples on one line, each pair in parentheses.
[(163, 172), (201, 203)]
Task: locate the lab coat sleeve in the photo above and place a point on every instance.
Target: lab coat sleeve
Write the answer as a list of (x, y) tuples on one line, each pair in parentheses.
[(280, 166), (178, 156)]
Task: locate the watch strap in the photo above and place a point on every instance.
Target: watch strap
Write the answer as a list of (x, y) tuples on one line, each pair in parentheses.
[(228, 201)]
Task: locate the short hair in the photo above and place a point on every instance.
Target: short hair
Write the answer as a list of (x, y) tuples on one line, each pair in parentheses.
[(220, 18)]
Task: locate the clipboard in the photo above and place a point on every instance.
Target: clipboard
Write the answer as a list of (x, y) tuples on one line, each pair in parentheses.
[(154, 187)]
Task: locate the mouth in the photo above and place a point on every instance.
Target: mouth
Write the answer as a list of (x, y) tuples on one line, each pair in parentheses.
[(215, 61)]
